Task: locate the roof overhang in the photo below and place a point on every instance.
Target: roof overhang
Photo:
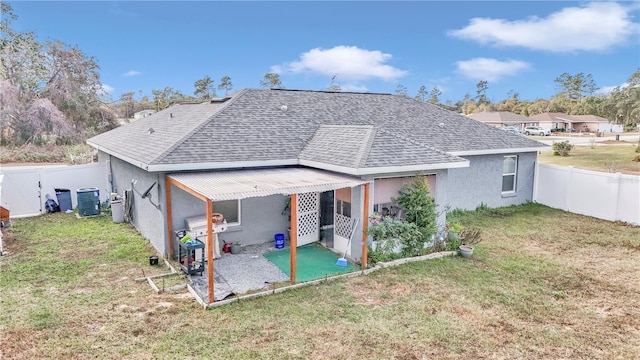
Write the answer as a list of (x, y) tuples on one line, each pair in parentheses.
[(499, 151), (242, 184), (384, 169)]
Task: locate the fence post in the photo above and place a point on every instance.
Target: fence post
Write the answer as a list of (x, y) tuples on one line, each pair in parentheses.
[(567, 197), (536, 176), (617, 192)]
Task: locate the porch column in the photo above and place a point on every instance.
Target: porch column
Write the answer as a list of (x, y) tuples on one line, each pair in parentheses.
[(294, 237), (210, 242), (365, 225)]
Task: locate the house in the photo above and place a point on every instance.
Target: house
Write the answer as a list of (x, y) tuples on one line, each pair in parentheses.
[(576, 123), (501, 119), (143, 114), (337, 156)]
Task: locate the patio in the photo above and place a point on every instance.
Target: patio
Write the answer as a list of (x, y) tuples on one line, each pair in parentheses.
[(251, 270)]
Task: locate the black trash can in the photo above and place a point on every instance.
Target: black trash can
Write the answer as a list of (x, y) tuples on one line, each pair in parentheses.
[(64, 199)]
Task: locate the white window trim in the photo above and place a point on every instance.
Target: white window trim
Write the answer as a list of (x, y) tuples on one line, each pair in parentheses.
[(515, 175), (239, 222)]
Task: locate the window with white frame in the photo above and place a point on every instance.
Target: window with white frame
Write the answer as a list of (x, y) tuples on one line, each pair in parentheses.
[(230, 209), (509, 170)]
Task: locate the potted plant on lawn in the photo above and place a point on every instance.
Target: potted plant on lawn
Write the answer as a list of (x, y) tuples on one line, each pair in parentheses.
[(468, 238)]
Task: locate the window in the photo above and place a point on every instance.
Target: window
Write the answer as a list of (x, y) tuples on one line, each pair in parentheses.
[(343, 207), (509, 170), (230, 209)]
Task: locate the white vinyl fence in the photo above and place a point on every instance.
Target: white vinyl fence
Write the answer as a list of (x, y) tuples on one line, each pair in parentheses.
[(614, 197), (24, 188)]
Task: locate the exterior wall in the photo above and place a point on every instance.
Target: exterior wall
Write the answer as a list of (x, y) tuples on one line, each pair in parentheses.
[(357, 211), (481, 183), (437, 187), (148, 214), (260, 218)]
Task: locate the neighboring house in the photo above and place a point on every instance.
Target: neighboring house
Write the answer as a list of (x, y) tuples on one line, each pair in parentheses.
[(501, 119), (340, 156), (143, 114), (575, 123)]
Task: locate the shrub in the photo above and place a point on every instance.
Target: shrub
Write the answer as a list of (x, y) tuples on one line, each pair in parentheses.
[(562, 148), (418, 206)]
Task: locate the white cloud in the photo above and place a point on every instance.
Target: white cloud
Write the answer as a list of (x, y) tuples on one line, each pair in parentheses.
[(490, 69), (132, 73), (608, 89), (107, 89), (354, 88), (596, 26), (349, 63)]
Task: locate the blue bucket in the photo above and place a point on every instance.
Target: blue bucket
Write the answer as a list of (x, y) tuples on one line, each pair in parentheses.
[(279, 238)]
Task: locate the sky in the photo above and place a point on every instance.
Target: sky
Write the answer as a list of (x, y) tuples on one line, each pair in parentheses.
[(361, 46)]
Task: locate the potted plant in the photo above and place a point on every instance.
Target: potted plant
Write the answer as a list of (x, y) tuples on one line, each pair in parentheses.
[(468, 238)]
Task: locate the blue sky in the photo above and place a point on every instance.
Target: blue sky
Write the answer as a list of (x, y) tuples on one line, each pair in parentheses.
[(365, 46)]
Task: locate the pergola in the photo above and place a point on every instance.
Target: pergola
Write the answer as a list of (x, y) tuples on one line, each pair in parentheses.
[(241, 184)]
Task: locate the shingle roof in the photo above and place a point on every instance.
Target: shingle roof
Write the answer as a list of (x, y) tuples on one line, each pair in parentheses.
[(498, 117), (566, 117), (258, 127)]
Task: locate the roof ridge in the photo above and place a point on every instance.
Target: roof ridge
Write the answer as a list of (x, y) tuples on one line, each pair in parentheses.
[(416, 142), (197, 128)]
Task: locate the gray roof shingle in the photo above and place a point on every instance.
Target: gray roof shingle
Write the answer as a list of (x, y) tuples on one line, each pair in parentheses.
[(265, 126)]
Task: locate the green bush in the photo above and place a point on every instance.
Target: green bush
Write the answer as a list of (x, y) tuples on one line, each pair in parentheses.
[(562, 148)]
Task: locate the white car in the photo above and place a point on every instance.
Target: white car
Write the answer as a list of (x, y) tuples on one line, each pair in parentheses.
[(537, 130), (511, 129)]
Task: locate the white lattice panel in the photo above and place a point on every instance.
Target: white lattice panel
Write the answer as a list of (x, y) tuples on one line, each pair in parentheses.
[(343, 226), (308, 218)]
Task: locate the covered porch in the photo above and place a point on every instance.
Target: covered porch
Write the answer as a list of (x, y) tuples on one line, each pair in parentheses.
[(304, 186)]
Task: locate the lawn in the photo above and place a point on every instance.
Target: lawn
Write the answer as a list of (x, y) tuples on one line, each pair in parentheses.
[(601, 157), (543, 284)]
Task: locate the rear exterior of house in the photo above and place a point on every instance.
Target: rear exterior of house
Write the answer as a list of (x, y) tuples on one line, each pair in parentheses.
[(369, 144)]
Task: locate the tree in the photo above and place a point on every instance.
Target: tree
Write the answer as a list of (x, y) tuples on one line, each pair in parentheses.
[(481, 91), (60, 74), (162, 99), (334, 87), (623, 104), (127, 102), (271, 81), (422, 93), (29, 123), (225, 84), (401, 90), (510, 103), (418, 206), (434, 95), (574, 87), (204, 88)]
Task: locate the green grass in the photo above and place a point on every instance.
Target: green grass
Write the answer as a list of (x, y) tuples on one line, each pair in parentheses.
[(618, 158), (543, 283)]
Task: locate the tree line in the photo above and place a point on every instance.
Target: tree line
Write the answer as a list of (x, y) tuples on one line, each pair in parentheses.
[(51, 93)]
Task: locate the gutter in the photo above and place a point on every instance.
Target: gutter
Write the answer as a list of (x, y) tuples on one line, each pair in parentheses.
[(498, 151)]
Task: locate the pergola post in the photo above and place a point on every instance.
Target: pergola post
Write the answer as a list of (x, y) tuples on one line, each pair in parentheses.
[(210, 242), (294, 237), (365, 225)]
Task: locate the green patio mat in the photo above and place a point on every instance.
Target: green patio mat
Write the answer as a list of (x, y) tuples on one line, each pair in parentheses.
[(314, 261)]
